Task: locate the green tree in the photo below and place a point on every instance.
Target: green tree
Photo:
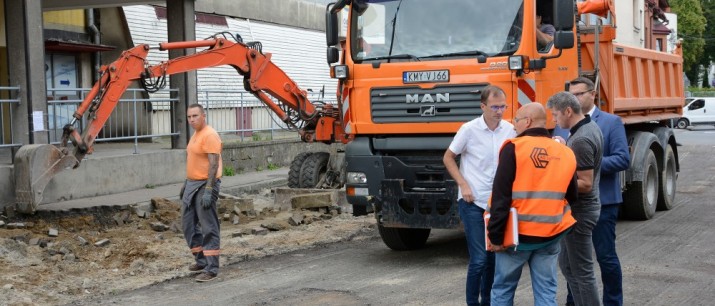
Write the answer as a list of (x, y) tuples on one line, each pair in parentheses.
[(691, 26), (708, 56)]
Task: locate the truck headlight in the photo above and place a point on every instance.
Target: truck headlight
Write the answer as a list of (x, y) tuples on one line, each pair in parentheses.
[(516, 62), (340, 71), (356, 178)]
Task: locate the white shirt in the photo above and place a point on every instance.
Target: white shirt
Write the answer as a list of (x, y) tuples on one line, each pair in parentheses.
[(479, 149)]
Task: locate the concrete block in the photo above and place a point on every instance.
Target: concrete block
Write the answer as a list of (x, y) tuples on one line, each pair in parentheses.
[(312, 200), (82, 241), (10, 211), (70, 257), (259, 231), (15, 225), (295, 220), (235, 205), (283, 196), (34, 241), (274, 226), (226, 217), (236, 234), (102, 242), (236, 220), (2, 223), (53, 232), (63, 251)]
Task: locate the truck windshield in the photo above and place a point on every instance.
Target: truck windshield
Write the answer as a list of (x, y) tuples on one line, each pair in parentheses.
[(445, 29)]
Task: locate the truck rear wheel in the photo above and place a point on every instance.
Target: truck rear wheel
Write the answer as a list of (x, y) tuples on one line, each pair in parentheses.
[(295, 166), (314, 170), (641, 198), (403, 239), (667, 183)]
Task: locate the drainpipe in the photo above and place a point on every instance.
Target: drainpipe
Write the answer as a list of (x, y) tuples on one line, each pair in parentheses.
[(94, 31)]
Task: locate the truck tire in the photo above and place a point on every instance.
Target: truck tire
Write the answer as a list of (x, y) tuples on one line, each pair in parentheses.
[(667, 183), (682, 123), (295, 166), (312, 173), (641, 198), (403, 239)]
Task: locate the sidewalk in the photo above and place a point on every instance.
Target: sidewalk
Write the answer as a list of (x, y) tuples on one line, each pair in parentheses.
[(229, 184)]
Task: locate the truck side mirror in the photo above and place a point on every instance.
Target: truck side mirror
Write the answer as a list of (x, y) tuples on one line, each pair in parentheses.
[(563, 39), (564, 14), (331, 26), (333, 55)]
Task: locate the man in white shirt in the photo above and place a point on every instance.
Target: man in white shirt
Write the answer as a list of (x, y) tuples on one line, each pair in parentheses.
[(477, 144)]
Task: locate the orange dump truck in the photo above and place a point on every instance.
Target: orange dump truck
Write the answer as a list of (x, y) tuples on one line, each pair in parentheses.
[(411, 73)]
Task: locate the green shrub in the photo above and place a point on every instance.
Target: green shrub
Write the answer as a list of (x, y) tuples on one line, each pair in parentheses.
[(228, 171)]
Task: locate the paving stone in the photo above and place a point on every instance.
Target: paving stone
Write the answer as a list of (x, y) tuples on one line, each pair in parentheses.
[(69, 257), (34, 241), (237, 234), (274, 226), (259, 231), (102, 242), (63, 251), (15, 225), (236, 220), (82, 241), (226, 217), (159, 227), (312, 200), (2, 223), (53, 232)]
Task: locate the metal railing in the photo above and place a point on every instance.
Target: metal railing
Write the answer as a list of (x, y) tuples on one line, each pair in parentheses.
[(235, 114), (133, 118), (8, 97), (239, 114)]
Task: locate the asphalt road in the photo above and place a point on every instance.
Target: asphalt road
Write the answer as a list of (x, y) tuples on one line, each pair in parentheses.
[(668, 260)]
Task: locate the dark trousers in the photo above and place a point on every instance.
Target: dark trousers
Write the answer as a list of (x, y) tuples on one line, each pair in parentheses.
[(604, 242), (201, 226)]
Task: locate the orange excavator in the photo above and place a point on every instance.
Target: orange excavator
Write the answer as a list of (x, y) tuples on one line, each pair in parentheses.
[(36, 165)]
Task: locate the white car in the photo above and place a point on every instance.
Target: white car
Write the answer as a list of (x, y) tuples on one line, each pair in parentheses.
[(697, 111)]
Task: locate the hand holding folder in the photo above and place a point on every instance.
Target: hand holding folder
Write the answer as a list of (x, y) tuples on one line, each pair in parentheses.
[(511, 233)]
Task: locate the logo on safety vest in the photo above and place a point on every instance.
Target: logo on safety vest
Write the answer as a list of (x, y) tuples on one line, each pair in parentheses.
[(540, 157)]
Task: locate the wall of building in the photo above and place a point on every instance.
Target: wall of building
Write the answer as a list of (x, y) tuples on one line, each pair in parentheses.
[(69, 20), (295, 13), (630, 28), (2, 26)]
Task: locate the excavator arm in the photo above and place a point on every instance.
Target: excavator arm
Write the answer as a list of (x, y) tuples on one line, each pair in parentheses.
[(37, 164)]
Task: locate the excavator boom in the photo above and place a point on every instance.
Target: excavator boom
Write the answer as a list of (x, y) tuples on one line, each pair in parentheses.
[(36, 165)]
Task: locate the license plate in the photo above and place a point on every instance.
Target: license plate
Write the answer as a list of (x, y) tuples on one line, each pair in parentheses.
[(431, 76)]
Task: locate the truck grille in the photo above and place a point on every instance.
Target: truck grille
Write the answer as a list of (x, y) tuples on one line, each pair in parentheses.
[(450, 103)]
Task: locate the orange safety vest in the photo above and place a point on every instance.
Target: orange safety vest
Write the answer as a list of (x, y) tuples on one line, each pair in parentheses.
[(544, 170)]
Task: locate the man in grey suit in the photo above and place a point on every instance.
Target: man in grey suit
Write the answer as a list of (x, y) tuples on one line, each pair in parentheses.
[(616, 158)]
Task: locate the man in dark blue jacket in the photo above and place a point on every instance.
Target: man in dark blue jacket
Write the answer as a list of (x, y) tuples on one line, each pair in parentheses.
[(616, 158)]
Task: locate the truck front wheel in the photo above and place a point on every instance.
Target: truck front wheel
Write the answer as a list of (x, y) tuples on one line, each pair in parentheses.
[(403, 239), (641, 197)]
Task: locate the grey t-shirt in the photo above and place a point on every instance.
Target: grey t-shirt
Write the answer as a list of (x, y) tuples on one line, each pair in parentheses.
[(586, 141)]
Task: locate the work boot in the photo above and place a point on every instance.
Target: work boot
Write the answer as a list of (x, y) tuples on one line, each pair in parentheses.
[(205, 277), (195, 267)]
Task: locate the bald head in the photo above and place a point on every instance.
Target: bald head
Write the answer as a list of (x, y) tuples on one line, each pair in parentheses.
[(535, 112)]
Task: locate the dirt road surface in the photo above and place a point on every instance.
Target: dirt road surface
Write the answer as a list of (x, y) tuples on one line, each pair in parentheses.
[(669, 260)]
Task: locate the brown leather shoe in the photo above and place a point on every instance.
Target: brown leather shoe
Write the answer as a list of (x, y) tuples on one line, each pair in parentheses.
[(195, 267), (205, 277)]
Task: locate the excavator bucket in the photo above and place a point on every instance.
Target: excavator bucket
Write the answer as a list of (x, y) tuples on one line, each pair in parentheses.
[(35, 166)]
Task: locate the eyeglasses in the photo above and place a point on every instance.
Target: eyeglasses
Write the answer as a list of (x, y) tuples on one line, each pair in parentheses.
[(578, 94), (517, 119), (498, 107)]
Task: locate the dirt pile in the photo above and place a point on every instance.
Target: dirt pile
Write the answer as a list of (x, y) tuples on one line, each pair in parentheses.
[(104, 250)]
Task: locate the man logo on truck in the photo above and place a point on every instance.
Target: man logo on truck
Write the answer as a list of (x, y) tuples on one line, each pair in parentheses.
[(427, 98)]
